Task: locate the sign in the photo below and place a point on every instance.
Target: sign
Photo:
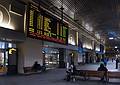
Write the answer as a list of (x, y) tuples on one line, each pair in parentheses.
[(11, 50), (41, 25), (71, 39)]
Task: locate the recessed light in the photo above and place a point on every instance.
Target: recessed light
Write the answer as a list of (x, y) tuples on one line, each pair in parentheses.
[(116, 47), (111, 38)]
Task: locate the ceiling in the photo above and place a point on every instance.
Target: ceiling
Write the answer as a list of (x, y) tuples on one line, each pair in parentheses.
[(101, 15)]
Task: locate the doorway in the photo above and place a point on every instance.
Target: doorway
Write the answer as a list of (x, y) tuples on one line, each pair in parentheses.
[(12, 61), (8, 57), (51, 60)]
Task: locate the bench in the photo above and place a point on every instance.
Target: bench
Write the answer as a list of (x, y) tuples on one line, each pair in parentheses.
[(86, 74), (79, 73), (110, 74), (113, 74), (93, 73), (72, 76), (28, 71)]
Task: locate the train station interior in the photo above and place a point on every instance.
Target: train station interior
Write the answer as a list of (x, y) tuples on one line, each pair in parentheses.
[(59, 42)]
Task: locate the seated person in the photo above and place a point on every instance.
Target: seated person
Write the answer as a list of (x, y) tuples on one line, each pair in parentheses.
[(36, 66), (103, 68)]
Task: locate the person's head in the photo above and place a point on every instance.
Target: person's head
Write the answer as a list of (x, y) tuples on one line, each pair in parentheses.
[(101, 65), (36, 62)]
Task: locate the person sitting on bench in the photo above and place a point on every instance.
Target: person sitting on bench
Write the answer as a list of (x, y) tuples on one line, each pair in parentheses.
[(103, 68), (36, 66)]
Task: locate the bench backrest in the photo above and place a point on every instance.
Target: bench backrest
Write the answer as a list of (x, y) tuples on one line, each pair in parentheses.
[(113, 74), (94, 73), (27, 69), (91, 73), (80, 72)]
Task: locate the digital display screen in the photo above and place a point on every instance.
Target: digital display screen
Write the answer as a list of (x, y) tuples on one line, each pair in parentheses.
[(42, 25)]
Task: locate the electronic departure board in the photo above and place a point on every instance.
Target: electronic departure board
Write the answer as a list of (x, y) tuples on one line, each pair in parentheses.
[(42, 25)]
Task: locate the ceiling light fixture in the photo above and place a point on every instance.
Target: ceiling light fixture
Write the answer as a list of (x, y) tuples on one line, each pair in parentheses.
[(111, 38), (116, 47)]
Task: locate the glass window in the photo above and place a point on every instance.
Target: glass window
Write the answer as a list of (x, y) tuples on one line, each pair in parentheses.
[(2, 45), (10, 45)]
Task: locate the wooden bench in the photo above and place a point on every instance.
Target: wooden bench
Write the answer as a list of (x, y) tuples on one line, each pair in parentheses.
[(109, 74), (78, 73), (93, 73), (113, 74), (72, 76), (86, 74), (28, 71)]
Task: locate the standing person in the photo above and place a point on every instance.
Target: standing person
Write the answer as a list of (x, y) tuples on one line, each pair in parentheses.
[(103, 68), (67, 66), (112, 59), (73, 70), (117, 60), (70, 72)]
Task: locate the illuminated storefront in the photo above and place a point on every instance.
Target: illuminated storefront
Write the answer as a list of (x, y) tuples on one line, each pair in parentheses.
[(88, 50), (51, 57), (72, 51)]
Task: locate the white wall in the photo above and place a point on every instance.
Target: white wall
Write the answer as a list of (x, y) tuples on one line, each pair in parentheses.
[(29, 52)]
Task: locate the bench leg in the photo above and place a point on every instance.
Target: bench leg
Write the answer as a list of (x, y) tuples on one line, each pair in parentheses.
[(73, 78), (107, 79)]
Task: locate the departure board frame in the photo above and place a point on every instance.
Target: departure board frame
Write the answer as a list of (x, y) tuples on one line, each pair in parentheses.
[(43, 26)]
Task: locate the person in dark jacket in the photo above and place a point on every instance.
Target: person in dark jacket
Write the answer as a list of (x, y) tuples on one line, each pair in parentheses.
[(103, 68), (117, 61), (36, 66)]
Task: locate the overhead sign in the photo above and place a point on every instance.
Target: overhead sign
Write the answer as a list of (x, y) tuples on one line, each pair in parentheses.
[(43, 26)]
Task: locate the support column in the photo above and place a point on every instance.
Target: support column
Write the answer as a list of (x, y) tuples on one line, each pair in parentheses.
[(61, 58)]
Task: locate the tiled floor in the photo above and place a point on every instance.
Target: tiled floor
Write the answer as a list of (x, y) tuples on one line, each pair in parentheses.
[(110, 65), (55, 77)]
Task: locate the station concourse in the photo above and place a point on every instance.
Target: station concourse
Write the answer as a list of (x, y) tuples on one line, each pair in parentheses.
[(41, 41)]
